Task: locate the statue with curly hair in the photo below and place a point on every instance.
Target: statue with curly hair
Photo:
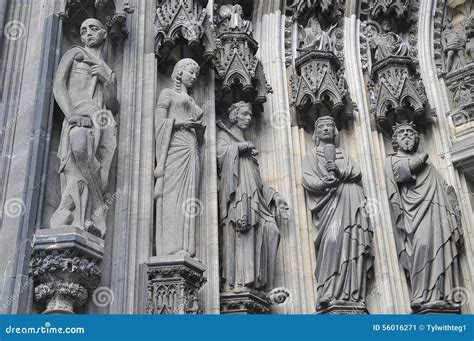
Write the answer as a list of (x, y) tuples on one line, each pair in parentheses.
[(427, 232), (248, 209), (179, 133)]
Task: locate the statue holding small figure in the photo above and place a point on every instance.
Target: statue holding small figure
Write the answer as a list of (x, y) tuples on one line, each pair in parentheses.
[(85, 89)]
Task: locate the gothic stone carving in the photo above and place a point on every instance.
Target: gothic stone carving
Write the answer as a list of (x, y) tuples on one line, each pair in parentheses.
[(85, 89), (427, 231), (388, 7), (344, 234), (64, 270), (319, 86), (334, 8), (112, 14), (179, 135), (173, 285), (235, 61), (244, 304), (397, 94), (185, 19), (249, 211)]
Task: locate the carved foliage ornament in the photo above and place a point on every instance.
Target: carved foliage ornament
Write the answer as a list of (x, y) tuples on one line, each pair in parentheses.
[(65, 279), (388, 7)]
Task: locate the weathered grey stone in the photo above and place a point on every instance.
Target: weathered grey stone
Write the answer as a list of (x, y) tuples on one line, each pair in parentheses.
[(248, 209), (427, 232), (179, 133), (85, 89), (336, 201), (65, 268), (173, 283), (245, 303)]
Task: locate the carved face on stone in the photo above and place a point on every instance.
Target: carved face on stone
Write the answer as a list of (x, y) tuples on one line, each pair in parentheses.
[(93, 33), (386, 26), (406, 139), (238, 10), (240, 115), (326, 130), (189, 75), (244, 118)]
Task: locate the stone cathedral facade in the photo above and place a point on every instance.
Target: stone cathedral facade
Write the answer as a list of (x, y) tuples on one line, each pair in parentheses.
[(237, 157)]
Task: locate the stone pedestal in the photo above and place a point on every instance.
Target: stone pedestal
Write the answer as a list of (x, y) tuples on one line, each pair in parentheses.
[(173, 283), (344, 310), (65, 268), (244, 303), (438, 311)]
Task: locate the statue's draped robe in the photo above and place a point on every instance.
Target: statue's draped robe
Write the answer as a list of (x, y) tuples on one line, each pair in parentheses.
[(84, 182), (248, 253), (177, 174), (426, 230), (344, 234), (389, 44)]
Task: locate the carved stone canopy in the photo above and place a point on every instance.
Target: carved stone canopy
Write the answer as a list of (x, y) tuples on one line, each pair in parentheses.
[(183, 19), (396, 94), (319, 87), (388, 7), (112, 13), (302, 8)]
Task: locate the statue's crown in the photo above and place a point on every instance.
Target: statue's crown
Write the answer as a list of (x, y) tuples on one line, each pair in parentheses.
[(404, 124)]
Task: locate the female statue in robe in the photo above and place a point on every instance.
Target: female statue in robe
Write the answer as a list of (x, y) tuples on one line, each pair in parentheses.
[(179, 133), (247, 209), (344, 234), (428, 234)]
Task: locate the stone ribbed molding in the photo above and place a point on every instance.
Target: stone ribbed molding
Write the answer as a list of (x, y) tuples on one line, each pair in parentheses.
[(173, 283), (65, 268)]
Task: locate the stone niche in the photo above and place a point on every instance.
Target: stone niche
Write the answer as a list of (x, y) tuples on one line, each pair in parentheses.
[(396, 91), (318, 86)]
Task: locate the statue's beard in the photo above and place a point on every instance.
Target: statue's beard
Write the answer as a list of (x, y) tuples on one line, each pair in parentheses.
[(406, 144)]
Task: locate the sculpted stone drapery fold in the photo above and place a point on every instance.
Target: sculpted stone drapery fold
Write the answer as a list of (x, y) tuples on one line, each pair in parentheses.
[(344, 234), (85, 89), (315, 38), (388, 43), (179, 133), (247, 210), (428, 235)]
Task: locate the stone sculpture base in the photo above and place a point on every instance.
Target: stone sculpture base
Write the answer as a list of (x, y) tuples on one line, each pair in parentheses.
[(438, 311), (344, 310), (173, 283), (65, 268), (244, 303)]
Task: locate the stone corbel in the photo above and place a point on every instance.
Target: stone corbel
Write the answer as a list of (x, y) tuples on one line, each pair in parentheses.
[(65, 268)]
